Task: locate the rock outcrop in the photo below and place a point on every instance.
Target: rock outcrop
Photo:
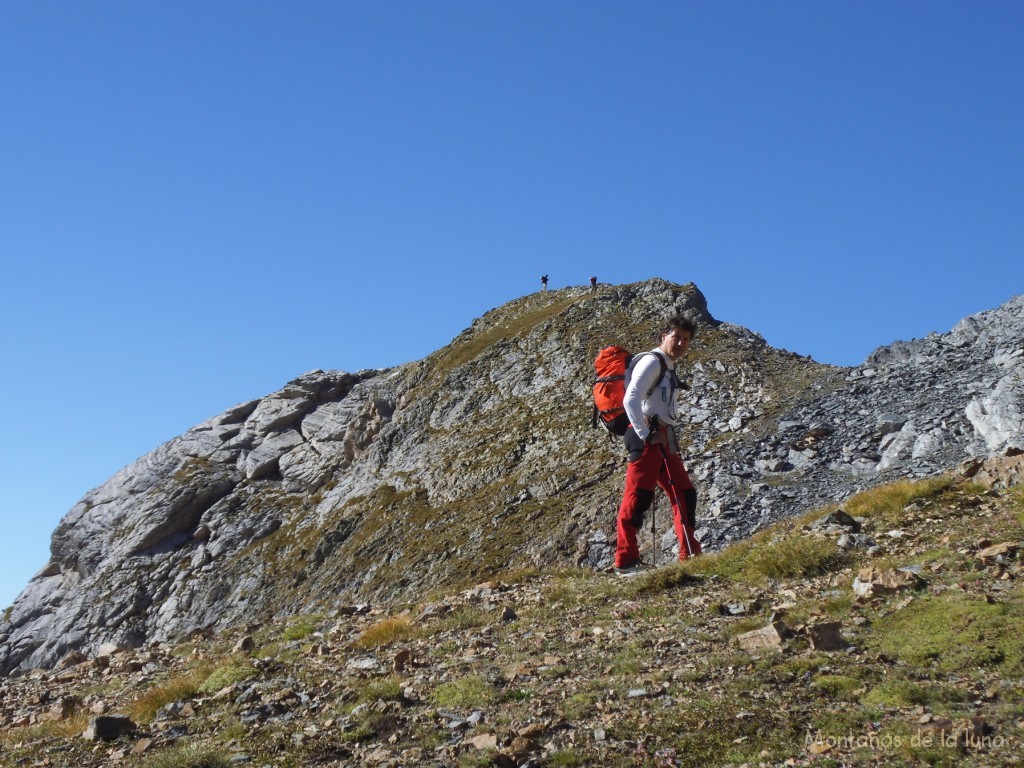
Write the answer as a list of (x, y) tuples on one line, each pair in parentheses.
[(480, 459)]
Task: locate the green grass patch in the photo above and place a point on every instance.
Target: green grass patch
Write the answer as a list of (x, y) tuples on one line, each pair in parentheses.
[(629, 660), (300, 628), (674, 576), (707, 731), (765, 557), (227, 674), (359, 733), (1016, 495), (956, 632), (564, 759), (837, 686), (897, 693), (579, 705), (794, 557), (465, 693), (380, 689), (835, 722)]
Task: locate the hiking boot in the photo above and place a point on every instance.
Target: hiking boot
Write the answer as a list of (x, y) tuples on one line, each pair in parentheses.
[(630, 570)]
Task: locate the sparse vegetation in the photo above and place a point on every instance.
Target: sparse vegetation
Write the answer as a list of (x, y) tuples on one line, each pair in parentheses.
[(45, 732), (460, 620), (189, 756), (472, 343), (649, 671)]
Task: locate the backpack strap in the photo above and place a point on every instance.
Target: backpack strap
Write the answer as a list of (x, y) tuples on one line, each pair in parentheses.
[(662, 366)]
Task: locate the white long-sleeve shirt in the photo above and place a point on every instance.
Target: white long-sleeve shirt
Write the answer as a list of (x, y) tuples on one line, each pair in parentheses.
[(641, 408)]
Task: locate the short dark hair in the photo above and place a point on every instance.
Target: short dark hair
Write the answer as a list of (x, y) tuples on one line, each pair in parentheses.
[(677, 321)]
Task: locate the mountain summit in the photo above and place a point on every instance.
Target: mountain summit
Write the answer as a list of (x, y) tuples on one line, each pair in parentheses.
[(480, 459)]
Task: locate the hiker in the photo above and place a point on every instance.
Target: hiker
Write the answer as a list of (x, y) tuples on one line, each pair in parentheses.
[(593, 284), (543, 282), (654, 449)]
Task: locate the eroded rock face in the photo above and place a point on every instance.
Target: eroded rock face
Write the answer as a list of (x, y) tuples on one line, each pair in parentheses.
[(480, 458), (912, 409), (128, 561)]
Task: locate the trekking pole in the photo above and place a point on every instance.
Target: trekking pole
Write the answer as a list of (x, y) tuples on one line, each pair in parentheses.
[(654, 534), (687, 533)]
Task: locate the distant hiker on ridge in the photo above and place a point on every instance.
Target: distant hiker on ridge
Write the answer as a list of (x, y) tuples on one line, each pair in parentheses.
[(543, 282), (650, 403), (593, 284)]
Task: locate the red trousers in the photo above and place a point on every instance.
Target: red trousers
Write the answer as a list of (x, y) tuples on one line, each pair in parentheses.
[(655, 467)]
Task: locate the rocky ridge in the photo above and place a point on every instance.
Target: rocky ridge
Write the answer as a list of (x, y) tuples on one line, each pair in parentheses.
[(480, 459)]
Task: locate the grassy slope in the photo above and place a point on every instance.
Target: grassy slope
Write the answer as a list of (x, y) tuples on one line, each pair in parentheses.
[(563, 676)]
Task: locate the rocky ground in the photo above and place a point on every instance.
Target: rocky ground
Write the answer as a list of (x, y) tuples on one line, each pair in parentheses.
[(884, 632)]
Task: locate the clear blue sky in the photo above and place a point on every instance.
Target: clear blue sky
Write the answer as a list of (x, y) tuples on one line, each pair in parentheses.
[(202, 200)]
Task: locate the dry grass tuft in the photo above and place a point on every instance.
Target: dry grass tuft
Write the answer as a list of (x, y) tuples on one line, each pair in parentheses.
[(391, 630)]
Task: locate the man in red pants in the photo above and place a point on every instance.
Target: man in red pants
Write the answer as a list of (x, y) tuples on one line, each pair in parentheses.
[(650, 402)]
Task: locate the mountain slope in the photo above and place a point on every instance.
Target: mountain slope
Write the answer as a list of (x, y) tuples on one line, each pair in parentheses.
[(479, 459), (788, 649)]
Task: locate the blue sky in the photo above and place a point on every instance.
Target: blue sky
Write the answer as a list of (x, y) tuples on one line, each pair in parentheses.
[(200, 201)]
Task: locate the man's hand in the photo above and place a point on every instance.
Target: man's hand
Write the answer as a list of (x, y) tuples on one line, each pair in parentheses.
[(658, 437)]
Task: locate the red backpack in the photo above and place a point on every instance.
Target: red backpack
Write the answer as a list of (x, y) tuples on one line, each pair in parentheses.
[(612, 367)]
